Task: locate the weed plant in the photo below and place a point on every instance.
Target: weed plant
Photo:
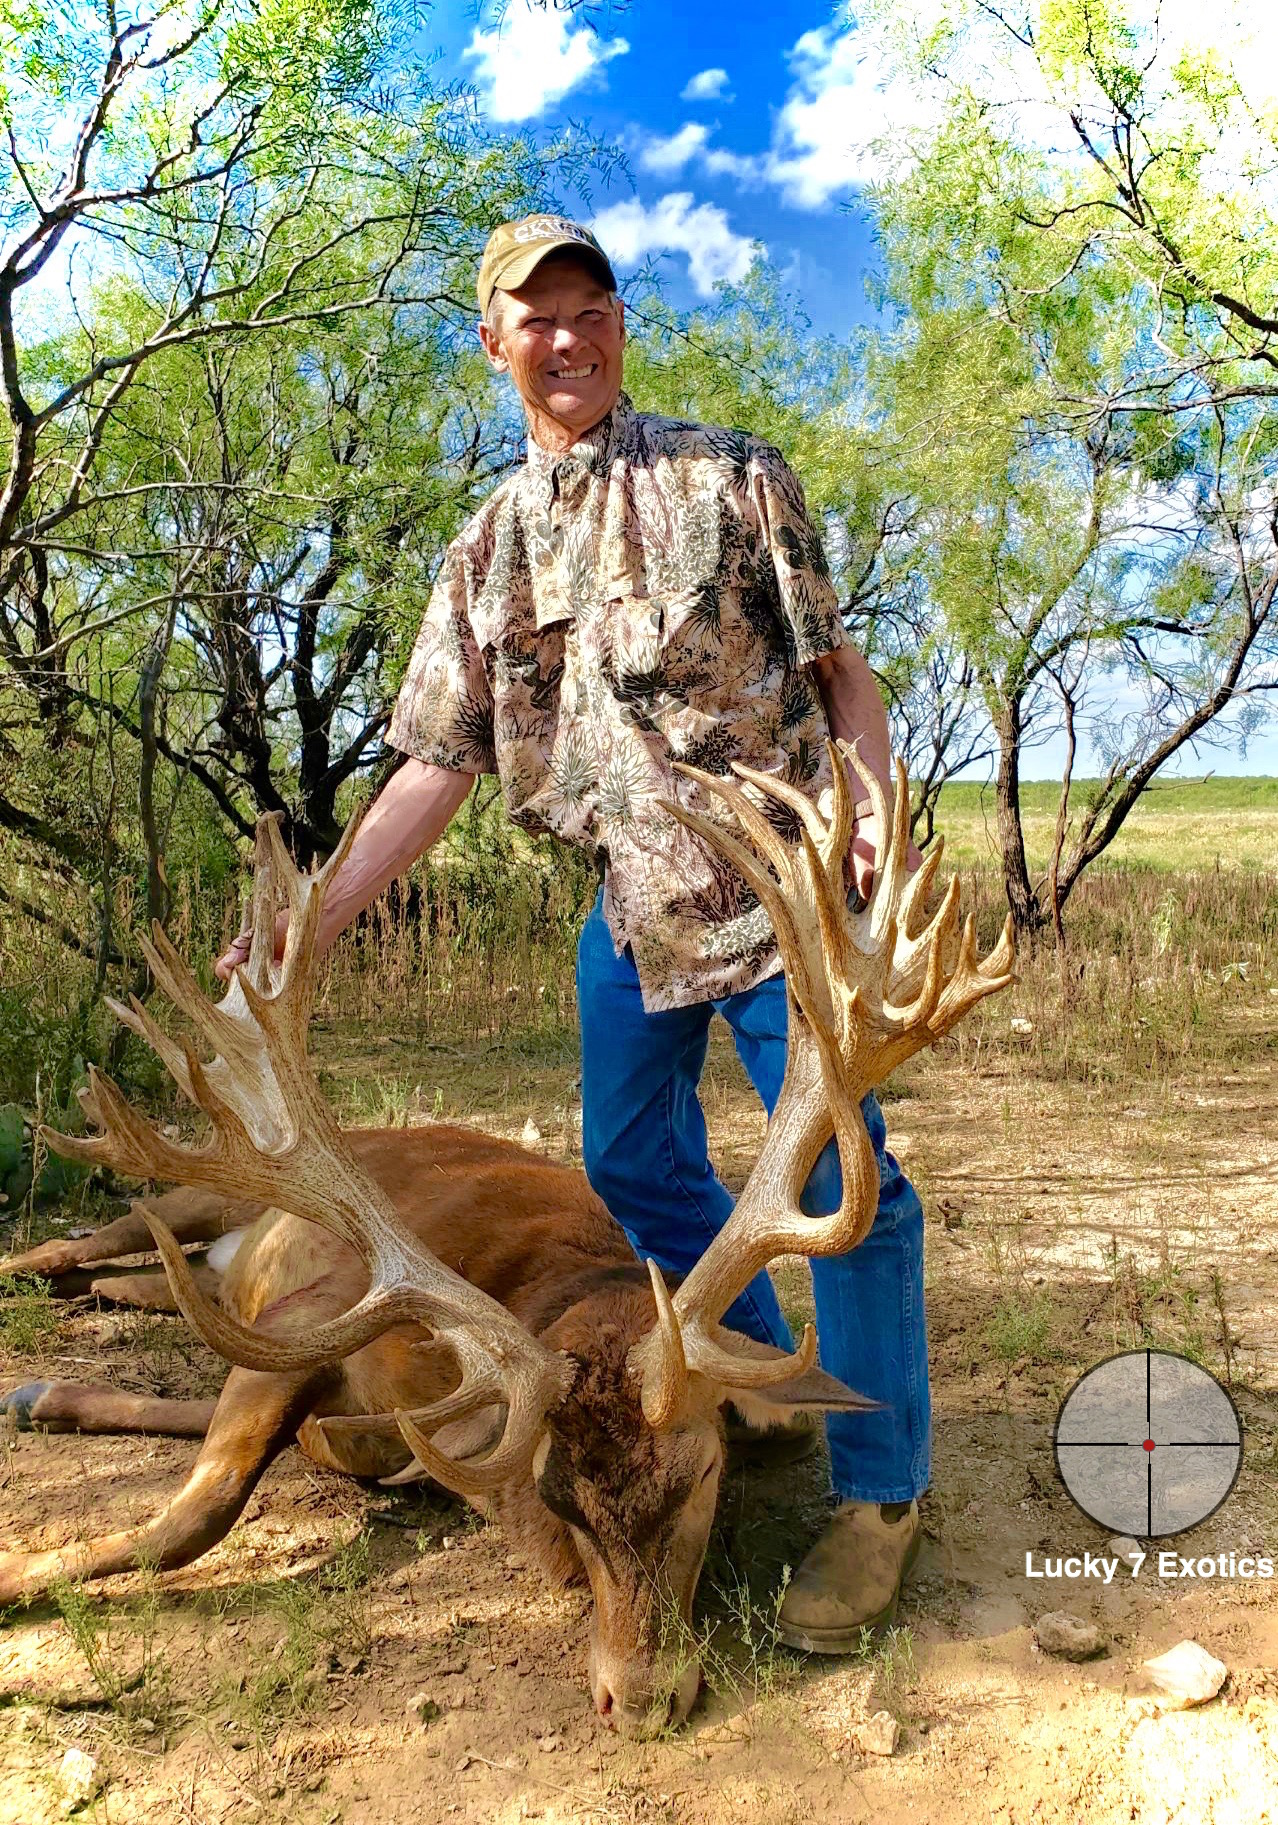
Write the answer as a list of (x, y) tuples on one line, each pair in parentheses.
[(120, 1644)]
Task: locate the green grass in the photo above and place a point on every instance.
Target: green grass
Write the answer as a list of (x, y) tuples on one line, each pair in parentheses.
[(1181, 824)]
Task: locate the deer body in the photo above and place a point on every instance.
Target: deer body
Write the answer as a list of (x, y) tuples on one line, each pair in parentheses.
[(447, 1305), (534, 1236)]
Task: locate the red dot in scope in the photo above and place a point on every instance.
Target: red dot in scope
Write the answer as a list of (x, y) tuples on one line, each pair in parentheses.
[(1148, 1445)]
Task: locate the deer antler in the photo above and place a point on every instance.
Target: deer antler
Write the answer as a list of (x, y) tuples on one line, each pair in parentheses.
[(866, 990), (274, 1137)]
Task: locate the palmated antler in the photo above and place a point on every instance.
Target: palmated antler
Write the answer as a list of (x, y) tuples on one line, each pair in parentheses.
[(866, 990), (274, 1137)]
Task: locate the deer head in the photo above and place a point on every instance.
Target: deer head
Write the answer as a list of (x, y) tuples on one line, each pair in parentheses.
[(617, 1429)]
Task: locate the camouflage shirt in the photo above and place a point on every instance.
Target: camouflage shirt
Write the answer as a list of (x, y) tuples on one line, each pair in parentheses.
[(655, 594)]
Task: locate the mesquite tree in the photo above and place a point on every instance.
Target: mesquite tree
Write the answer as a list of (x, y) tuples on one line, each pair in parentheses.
[(237, 254), (1082, 261)]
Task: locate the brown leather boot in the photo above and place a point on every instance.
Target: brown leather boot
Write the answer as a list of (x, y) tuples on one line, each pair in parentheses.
[(851, 1580)]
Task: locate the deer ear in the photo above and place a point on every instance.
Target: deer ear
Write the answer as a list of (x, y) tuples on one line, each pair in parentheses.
[(812, 1392)]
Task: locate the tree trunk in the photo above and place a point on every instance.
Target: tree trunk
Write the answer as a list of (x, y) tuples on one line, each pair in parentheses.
[(1027, 914)]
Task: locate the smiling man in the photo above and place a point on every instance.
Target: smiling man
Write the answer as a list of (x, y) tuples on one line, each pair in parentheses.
[(644, 591)]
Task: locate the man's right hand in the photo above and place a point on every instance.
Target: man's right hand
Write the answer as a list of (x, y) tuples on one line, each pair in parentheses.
[(410, 811), (235, 954)]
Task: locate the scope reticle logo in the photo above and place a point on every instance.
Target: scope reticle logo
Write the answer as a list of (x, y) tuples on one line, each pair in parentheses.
[(1148, 1444)]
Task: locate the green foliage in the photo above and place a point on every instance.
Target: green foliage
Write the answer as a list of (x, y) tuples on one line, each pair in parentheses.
[(1084, 292), (255, 430), (28, 1316)]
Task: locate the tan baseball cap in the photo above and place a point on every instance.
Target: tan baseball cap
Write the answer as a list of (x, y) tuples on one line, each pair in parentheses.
[(515, 248)]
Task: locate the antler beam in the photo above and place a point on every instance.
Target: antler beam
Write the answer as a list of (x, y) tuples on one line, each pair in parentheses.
[(273, 1136), (866, 990)]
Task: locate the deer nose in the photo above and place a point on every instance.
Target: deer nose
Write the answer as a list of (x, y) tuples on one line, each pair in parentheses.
[(636, 1719)]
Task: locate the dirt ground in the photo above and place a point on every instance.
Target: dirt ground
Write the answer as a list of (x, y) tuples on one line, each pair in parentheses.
[(272, 1679)]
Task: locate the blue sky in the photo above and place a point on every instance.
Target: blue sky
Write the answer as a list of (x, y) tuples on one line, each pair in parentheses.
[(733, 120)]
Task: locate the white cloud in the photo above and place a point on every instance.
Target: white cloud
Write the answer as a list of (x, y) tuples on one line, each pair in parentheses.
[(845, 96), (707, 85), (675, 224), (670, 155), (533, 57), (850, 115), (720, 163)]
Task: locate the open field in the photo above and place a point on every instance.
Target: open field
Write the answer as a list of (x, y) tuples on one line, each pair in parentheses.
[(1179, 824), (1103, 1176)]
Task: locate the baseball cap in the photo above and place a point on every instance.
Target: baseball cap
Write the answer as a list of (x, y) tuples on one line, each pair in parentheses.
[(515, 248)]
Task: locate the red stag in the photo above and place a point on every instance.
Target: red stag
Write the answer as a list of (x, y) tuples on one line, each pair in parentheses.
[(433, 1303)]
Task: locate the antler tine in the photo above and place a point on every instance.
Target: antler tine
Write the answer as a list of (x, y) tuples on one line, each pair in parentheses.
[(273, 1136), (526, 1400), (865, 990), (665, 1395), (171, 1055)]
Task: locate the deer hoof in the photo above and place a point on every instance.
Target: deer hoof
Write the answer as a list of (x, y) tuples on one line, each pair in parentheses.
[(21, 1403)]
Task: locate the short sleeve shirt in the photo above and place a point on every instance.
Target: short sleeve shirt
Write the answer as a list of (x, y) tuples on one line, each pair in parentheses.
[(652, 596)]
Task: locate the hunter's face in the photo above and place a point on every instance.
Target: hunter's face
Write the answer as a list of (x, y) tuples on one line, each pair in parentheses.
[(560, 338)]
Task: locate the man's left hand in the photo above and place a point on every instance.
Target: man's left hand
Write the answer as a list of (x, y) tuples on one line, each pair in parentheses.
[(864, 854)]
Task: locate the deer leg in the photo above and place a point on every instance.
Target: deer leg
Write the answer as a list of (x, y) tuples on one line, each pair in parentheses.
[(143, 1289), (193, 1216), (149, 1291), (93, 1406), (255, 1418)]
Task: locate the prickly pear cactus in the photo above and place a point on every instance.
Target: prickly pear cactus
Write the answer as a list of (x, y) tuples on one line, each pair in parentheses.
[(17, 1157)]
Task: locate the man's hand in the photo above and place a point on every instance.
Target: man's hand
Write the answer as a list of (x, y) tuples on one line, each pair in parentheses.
[(863, 855), (238, 949)]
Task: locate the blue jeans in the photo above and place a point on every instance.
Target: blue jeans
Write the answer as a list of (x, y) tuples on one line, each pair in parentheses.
[(645, 1147)]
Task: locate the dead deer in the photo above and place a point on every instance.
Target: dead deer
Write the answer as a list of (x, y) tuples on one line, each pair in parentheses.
[(439, 1304)]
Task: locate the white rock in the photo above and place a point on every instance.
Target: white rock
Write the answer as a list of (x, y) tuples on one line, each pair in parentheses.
[(878, 1735), (531, 1134), (1022, 1027), (1123, 1547), (1068, 1637), (1187, 1674), (80, 1779)]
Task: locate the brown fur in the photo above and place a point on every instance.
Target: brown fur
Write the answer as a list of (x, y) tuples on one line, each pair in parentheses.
[(608, 1499)]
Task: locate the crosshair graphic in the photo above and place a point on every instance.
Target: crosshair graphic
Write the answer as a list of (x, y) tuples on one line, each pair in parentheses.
[(1148, 1443)]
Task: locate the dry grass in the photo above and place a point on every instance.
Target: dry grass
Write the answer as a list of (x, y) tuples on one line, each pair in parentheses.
[(1180, 824)]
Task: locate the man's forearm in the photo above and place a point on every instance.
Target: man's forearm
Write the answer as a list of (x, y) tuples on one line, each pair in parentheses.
[(854, 709), (411, 812)]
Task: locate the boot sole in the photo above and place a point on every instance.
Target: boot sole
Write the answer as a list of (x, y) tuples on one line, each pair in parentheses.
[(850, 1637)]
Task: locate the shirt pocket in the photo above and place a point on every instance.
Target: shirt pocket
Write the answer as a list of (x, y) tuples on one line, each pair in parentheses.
[(664, 661), (526, 668)]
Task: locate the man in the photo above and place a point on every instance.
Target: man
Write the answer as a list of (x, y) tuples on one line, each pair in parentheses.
[(644, 591)]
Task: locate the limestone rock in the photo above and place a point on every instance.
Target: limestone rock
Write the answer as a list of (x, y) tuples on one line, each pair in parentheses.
[(80, 1779), (1068, 1637), (878, 1735), (1187, 1674), (1123, 1547)]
